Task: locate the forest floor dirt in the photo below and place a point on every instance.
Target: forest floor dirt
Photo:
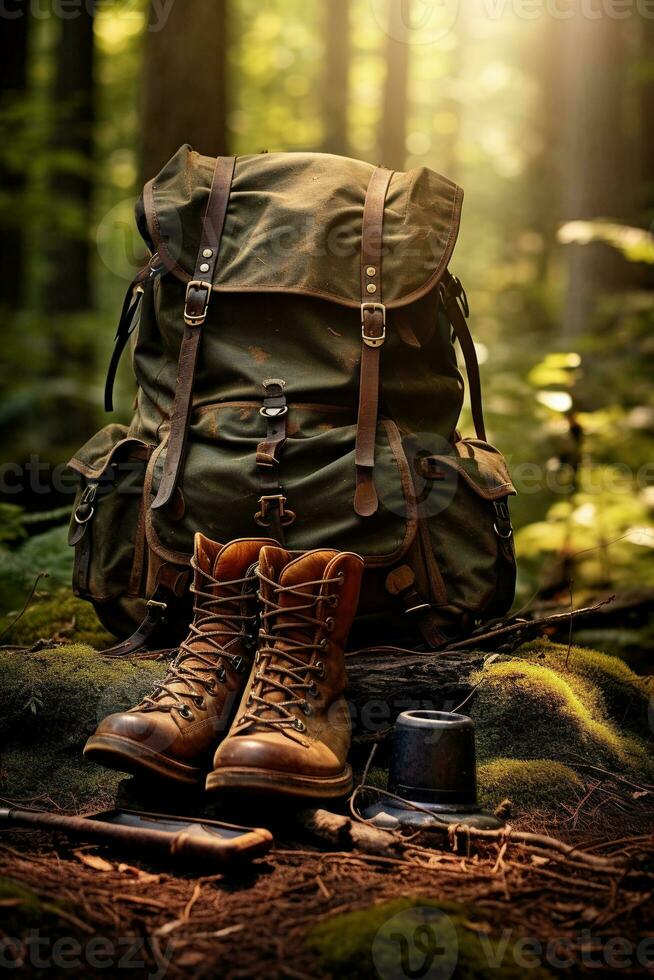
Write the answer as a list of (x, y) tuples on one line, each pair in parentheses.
[(306, 911)]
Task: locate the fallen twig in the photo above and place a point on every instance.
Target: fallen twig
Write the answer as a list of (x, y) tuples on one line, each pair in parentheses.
[(525, 629)]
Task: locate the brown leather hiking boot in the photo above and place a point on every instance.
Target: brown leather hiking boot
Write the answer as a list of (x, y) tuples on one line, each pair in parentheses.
[(174, 730), (292, 732)]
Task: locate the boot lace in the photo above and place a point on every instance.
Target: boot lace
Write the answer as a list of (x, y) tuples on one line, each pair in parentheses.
[(287, 671), (231, 627)]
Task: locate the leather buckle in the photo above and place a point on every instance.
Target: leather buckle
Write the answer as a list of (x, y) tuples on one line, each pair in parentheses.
[(197, 319), (373, 308), (287, 517)]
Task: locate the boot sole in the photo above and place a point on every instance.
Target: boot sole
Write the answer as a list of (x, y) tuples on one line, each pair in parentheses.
[(119, 753), (280, 783)]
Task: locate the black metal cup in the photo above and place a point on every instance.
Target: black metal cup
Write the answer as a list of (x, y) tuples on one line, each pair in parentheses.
[(433, 759), (432, 774)]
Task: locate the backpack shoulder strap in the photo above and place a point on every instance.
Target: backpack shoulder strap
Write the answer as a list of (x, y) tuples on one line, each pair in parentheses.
[(456, 307), (198, 297), (373, 335)]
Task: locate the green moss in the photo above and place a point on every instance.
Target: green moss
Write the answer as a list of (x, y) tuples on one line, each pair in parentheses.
[(57, 696), (437, 938), (58, 615), (52, 701), (533, 784), (529, 711), (19, 567), (58, 774), (625, 696)]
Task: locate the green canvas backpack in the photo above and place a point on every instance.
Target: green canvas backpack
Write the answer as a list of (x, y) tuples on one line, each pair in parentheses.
[(293, 344)]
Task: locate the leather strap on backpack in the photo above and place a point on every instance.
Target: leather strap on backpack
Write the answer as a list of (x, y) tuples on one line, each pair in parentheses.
[(456, 307), (273, 513), (373, 335), (145, 634), (126, 325), (198, 297)]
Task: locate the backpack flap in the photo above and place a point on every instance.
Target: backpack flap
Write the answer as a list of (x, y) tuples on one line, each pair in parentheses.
[(294, 225)]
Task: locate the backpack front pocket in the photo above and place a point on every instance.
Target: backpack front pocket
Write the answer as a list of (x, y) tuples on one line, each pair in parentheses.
[(469, 526), (107, 525), (220, 489)]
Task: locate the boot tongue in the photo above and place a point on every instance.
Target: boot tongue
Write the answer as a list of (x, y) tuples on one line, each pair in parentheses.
[(273, 562), (225, 564), (295, 575)]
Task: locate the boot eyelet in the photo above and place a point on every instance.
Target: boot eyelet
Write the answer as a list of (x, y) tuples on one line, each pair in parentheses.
[(320, 669), (330, 623), (313, 690), (222, 675), (299, 725), (306, 708), (186, 713), (238, 664), (324, 643), (334, 601)]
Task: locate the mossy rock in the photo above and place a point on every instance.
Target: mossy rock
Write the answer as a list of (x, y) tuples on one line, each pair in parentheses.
[(418, 937), (625, 697), (58, 615), (532, 784), (51, 702), (57, 696), (529, 710)]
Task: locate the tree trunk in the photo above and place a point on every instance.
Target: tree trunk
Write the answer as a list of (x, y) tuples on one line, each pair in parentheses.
[(337, 76), (185, 82), (13, 84), (393, 127), (645, 203), (595, 172), (71, 184)]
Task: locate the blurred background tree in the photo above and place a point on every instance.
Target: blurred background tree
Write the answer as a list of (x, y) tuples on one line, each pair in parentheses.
[(544, 120)]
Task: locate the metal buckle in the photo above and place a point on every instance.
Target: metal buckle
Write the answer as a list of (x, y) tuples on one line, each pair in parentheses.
[(373, 308), (86, 500), (416, 609), (153, 604), (272, 413), (197, 319), (287, 517), (503, 516)]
